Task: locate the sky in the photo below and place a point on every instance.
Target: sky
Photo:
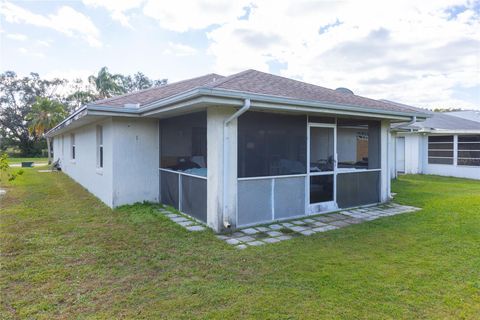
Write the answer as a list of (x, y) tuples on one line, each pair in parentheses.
[(422, 53)]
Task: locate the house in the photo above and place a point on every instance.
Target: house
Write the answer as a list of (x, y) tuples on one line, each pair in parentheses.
[(233, 151), (443, 144)]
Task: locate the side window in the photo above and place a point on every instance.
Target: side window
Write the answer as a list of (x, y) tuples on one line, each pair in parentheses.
[(72, 143), (468, 150), (440, 149), (99, 147)]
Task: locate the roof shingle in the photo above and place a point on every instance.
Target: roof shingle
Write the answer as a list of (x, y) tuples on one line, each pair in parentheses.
[(256, 82)]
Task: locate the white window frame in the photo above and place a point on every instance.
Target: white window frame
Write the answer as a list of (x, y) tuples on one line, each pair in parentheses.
[(457, 150), (73, 148), (453, 150), (100, 150)]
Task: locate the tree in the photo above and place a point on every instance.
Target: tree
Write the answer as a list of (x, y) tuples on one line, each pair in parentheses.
[(44, 115), (16, 98), (139, 81), (107, 84), (82, 94), (439, 109)]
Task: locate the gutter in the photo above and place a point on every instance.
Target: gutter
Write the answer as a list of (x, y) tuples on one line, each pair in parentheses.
[(289, 103), (73, 115), (226, 144)]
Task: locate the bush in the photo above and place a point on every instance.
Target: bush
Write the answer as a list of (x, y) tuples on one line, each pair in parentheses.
[(4, 169)]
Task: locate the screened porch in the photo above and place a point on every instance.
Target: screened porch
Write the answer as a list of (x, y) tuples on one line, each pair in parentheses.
[(183, 164), (294, 165)]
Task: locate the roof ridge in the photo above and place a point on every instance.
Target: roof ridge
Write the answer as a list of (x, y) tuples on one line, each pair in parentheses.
[(153, 88), (231, 77)]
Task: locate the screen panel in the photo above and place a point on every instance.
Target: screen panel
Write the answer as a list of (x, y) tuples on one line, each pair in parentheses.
[(289, 197), (194, 197), (271, 144), (321, 188), (254, 201), (358, 143), (169, 188), (358, 188)]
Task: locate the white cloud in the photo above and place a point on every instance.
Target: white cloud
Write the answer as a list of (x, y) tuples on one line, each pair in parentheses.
[(117, 8), (30, 53), (66, 20), (43, 43), (184, 15), (179, 49), (17, 36), (71, 75), (410, 51)]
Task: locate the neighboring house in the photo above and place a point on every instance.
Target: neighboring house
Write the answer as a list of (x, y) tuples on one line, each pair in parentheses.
[(443, 145), (472, 115), (233, 151)]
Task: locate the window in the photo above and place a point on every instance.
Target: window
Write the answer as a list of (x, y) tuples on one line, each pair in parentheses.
[(358, 144), (183, 143), (468, 152), (72, 144), (440, 149), (99, 147), (271, 144)]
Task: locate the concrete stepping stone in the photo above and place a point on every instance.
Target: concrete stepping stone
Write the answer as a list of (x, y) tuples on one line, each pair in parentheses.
[(307, 232), (232, 241), (195, 228), (275, 226), (250, 231), (298, 228), (246, 239), (274, 233), (339, 223)]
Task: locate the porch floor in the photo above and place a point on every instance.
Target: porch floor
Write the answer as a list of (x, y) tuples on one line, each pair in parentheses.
[(280, 231)]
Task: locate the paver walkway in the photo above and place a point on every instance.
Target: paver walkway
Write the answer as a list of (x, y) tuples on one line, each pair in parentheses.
[(280, 231)]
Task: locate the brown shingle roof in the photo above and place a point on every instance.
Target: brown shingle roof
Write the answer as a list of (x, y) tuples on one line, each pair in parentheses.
[(264, 83), (154, 94), (256, 82)]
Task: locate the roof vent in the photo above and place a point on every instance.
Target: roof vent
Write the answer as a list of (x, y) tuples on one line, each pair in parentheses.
[(131, 105), (344, 90)]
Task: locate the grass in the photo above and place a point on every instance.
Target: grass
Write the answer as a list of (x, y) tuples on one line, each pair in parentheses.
[(18, 160), (66, 255)]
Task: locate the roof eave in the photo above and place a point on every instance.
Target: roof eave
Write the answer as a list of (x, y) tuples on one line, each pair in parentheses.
[(258, 100)]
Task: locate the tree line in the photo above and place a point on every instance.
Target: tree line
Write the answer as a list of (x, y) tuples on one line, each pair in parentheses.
[(30, 105)]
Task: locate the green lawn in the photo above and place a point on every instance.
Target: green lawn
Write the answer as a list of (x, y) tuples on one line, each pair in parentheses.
[(18, 160), (66, 255)]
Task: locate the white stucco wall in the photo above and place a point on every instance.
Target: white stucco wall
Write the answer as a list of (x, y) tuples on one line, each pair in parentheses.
[(453, 171), (84, 168), (130, 164), (468, 172), (216, 215), (135, 161), (416, 160), (384, 175)]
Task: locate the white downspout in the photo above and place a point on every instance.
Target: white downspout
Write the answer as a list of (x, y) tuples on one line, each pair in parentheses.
[(226, 143), (414, 119)]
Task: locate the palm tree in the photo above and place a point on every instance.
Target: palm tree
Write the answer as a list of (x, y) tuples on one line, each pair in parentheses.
[(107, 84), (44, 115)]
